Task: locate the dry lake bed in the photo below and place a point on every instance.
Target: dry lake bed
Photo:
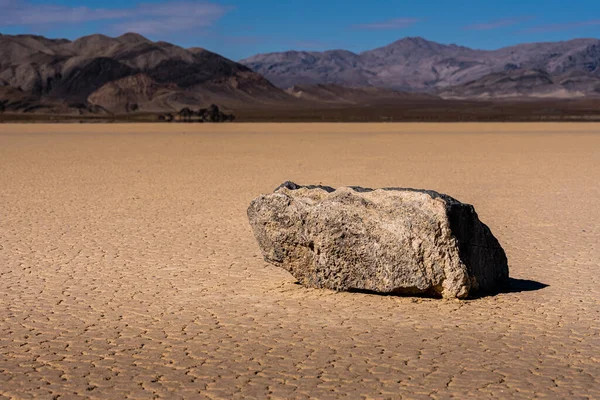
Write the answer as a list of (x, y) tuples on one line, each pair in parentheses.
[(128, 267)]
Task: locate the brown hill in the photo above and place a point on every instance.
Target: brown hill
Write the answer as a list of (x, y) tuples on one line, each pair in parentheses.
[(123, 74)]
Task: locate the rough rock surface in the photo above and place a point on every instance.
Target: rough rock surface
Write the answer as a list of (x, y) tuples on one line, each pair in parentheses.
[(391, 240)]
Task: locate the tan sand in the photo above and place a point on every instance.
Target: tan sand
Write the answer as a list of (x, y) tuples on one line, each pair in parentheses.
[(128, 268)]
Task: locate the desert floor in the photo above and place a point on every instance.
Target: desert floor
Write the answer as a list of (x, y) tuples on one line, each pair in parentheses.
[(128, 268)]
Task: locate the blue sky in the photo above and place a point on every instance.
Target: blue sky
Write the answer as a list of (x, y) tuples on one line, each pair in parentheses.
[(240, 28)]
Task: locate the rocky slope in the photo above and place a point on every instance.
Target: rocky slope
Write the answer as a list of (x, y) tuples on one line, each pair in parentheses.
[(337, 94), (571, 68), (123, 74), (99, 74)]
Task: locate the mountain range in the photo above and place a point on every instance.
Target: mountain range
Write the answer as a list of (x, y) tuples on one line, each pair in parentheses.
[(561, 69), (98, 74)]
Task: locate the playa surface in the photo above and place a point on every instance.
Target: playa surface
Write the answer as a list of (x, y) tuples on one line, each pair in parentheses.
[(128, 267)]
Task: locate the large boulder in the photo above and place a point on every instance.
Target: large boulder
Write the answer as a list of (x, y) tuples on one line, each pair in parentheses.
[(401, 241)]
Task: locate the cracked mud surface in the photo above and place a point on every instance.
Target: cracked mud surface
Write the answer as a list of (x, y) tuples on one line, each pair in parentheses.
[(128, 268)]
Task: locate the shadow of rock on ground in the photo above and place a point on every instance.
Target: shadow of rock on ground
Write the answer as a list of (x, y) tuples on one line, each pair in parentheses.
[(522, 285), (512, 286)]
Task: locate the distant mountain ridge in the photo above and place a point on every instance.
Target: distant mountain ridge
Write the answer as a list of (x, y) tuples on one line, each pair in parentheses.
[(571, 68), (98, 73)]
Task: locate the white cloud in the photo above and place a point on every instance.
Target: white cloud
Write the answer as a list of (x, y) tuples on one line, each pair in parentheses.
[(497, 24), (562, 27), (172, 17), (396, 23), (146, 18)]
